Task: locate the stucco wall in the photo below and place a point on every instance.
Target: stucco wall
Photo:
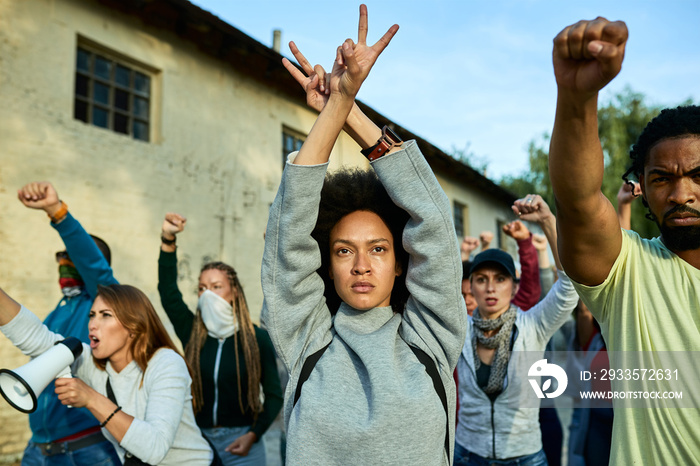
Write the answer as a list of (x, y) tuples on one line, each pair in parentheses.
[(215, 157)]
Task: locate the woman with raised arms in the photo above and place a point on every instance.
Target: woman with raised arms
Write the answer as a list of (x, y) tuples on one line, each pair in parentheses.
[(361, 278)]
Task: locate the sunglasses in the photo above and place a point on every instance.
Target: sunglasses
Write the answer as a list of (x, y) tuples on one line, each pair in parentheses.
[(62, 255)]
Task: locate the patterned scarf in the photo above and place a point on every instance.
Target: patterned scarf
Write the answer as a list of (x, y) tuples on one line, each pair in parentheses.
[(68, 278), (500, 341)]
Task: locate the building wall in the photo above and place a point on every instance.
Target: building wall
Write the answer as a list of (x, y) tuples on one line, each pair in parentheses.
[(482, 213), (214, 156)]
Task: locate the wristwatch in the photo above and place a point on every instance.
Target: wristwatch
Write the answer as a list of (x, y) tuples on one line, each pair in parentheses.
[(388, 140)]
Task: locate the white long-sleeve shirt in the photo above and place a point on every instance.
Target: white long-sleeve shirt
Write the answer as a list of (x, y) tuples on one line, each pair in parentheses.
[(163, 431)]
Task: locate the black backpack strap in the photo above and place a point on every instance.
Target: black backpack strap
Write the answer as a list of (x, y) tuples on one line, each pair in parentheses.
[(427, 362), (132, 460), (110, 393), (306, 369), (432, 371)]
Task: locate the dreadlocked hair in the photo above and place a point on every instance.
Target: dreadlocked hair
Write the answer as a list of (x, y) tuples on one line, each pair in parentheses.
[(251, 352), (347, 191), (671, 123)]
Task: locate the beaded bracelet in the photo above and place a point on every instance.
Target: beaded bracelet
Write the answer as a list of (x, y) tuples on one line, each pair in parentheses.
[(110, 416)]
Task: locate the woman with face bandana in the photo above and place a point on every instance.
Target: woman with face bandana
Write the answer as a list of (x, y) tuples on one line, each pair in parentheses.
[(229, 356)]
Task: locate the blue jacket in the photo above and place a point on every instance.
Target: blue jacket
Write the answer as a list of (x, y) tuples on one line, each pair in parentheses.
[(52, 420)]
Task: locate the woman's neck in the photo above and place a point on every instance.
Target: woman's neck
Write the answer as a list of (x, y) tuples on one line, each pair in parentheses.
[(119, 362)]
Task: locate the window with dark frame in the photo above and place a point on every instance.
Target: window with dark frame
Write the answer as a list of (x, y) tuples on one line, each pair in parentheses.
[(291, 141), (112, 95), (458, 216), (502, 236)]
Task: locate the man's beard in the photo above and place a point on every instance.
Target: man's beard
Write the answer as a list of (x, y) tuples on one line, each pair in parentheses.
[(680, 238)]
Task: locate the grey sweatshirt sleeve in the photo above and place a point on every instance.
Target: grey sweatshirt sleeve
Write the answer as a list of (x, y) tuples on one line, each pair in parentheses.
[(436, 315), (294, 308), (554, 310)]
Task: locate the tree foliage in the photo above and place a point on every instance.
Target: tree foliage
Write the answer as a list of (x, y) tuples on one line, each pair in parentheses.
[(620, 121)]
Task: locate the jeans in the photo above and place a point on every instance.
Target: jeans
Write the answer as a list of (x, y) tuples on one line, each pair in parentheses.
[(221, 437), (464, 457), (99, 454)]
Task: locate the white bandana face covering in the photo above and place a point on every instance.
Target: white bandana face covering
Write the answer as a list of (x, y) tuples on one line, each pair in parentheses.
[(217, 315)]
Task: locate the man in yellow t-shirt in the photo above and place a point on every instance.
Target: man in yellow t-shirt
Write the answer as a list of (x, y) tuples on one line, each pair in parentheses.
[(644, 293)]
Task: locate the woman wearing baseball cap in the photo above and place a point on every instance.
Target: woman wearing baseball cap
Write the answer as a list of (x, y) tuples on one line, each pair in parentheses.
[(492, 422)]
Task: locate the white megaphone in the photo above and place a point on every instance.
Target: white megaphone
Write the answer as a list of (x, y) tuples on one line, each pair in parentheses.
[(21, 386)]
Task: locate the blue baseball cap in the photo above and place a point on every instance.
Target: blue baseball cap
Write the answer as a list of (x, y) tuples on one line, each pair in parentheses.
[(494, 256)]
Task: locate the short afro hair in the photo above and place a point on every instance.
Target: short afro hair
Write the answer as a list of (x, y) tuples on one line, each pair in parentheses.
[(670, 123), (344, 192)]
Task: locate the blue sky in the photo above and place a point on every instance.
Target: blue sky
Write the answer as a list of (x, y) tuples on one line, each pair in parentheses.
[(478, 74)]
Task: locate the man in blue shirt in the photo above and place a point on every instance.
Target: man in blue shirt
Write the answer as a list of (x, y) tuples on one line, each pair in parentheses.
[(63, 435)]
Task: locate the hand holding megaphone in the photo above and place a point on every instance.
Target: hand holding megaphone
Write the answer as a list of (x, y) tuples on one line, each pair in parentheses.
[(21, 386), (73, 392)]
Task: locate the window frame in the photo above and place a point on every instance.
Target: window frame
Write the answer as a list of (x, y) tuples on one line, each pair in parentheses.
[(119, 120), (298, 138), (463, 211)]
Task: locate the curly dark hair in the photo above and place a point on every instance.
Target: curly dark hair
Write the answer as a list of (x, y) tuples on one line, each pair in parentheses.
[(347, 191), (670, 123)]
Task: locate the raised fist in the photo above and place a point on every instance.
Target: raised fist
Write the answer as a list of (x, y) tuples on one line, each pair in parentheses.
[(469, 244), (540, 242), (485, 237), (516, 230), (39, 195), (588, 55), (173, 224), (532, 208), (628, 193)]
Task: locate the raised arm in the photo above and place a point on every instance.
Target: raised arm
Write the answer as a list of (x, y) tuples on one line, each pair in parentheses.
[(586, 56), (628, 192), (170, 295), (469, 244), (532, 208), (435, 314), (529, 289), (351, 67), (82, 250), (9, 308), (294, 310)]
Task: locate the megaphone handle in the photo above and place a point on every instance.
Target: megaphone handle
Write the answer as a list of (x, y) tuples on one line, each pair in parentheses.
[(65, 374)]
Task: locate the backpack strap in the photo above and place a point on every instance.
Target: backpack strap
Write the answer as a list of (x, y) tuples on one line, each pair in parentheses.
[(110, 393), (306, 369), (422, 356), (132, 460), (432, 371)]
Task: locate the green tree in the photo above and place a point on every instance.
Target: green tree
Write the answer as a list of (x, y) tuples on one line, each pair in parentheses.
[(467, 156), (535, 180), (620, 121)]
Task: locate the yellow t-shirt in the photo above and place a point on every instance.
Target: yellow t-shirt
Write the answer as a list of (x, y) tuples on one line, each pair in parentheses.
[(650, 301)]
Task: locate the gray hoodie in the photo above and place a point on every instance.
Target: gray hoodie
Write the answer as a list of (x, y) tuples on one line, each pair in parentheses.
[(368, 400)]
